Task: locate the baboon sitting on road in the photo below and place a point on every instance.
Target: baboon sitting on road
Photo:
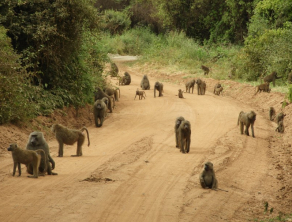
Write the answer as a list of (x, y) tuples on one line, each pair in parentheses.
[(178, 121), (180, 94), (184, 136), (145, 85), (114, 70), (69, 137), (141, 94), (272, 78), (280, 127), (189, 85), (159, 87), (127, 78), (207, 177), (99, 111), (246, 119)]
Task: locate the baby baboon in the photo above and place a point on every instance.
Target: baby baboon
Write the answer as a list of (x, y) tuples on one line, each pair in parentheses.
[(141, 94), (280, 117), (272, 113), (176, 126), (158, 86), (99, 111), (25, 157), (272, 78), (246, 119), (114, 70), (180, 94), (127, 78), (218, 91), (113, 92), (145, 83), (265, 87), (189, 85), (280, 127), (207, 177), (184, 136), (99, 94), (205, 69), (121, 80), (69, 137), (35, 142)]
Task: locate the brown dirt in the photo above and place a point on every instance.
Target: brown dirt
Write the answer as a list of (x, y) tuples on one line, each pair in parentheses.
[(133, 172)]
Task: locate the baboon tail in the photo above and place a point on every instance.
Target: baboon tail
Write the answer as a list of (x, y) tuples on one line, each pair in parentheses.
[(84, 128)]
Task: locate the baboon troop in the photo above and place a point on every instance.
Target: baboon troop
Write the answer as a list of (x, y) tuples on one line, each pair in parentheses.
[(113, 92), (178, 121), (218, 89), (265, 87), (247, 120), (99, 94), (145, 85), (114, 70), (141, 94), (69, 137), (207, 177), (272, 78), (184, 136), (189, 85), (205, 69), (180, 94), (272, 113), (35, 142), (27, 157), (99, 111), (125, 80), (159, 87), (201, 86)]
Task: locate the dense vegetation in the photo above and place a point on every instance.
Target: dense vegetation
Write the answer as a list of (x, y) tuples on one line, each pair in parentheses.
[(53, 52)]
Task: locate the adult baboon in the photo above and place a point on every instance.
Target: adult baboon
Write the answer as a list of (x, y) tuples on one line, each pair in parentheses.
[(178, 121), (114, 70), (280, 117), (265, 87), (280, 127), (218, 91), (218, 85), (141, 94), (69, 137), (159, 87), (180, 94), (184, 136), (127, 78), (205, 69), (35, 142), (99, 112), (207, 177), (199, 86), (189, 85), (145, 85), (106, 101), (25, 157), (272, 78), (99, 94), (272, 113), (113, 92), (246, 119)]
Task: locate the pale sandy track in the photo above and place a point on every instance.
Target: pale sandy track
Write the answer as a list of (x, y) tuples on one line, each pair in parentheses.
[(153, 181)]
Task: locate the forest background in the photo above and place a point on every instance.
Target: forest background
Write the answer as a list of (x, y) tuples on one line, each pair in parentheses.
[(53, 52)]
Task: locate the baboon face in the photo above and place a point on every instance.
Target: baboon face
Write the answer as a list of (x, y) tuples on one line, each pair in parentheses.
[(208, 166), (34, 140), (252, 116), (12, 147)]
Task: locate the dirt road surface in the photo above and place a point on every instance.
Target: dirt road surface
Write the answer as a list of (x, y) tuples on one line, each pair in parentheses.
[(132, 170)]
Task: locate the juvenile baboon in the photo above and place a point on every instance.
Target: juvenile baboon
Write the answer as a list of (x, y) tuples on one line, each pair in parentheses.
[(113, 92), (178, 121), (180, 94), (25, 157), (272, 113), (35, 142), (272, 78), (159, 87), (114, 70), (218, 85), (218, 91), (205, 69), (184, 136), (141, 94), (207, 177), (69, 137), (246, 119), (99, 94), (265, 87), (145, 85), (280, 117), (189, 85), (127, 78), (280, 127), (99, 112)]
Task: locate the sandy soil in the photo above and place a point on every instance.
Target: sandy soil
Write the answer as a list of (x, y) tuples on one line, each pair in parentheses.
[(133, 172)]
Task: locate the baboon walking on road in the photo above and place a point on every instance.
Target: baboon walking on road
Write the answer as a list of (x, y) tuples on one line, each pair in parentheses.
[(141, 94), (99, 111), (99, 94), (247, 120), (184, 136), (159, 87), (178, 121), (190, 85)]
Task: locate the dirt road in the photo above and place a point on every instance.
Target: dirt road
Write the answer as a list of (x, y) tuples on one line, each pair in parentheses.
[(133, 172)]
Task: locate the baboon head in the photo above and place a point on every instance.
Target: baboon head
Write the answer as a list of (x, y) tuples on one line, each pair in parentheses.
[(252, 116), (198, 81), (12, 147), (208, 166), (36, 138)]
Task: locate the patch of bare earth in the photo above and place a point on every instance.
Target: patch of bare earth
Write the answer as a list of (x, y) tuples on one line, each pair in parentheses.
[(133, 172)]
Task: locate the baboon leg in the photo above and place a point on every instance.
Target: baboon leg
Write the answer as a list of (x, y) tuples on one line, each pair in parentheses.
[(60, 152), (15, 164), (252, 130), (176, 140), (241, 127), (36, 164), (182, 146), (188, 146), (247, 130)]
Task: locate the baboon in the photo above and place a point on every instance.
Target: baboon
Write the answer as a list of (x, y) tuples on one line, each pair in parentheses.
[(105, 100), (25, 157), (280, 117), (69, 137), (113, 92), (180, 94), (246, 119), (184, 136), (272, 78), (207, 177), (189, 85), (121, 80), (127, 78), (99, 112), (141, 94), (178, 121), (199, 86), (114, 70), (272, 113), (205, 69), (43, 162), (35, 142), (218, 91), (265, 87), (280, 127), (232, 73), (217, 86), (145, 83), (99, 94), (159, 87)]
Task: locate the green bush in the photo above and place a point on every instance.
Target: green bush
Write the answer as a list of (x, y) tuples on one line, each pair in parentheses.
[(116, 22)]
